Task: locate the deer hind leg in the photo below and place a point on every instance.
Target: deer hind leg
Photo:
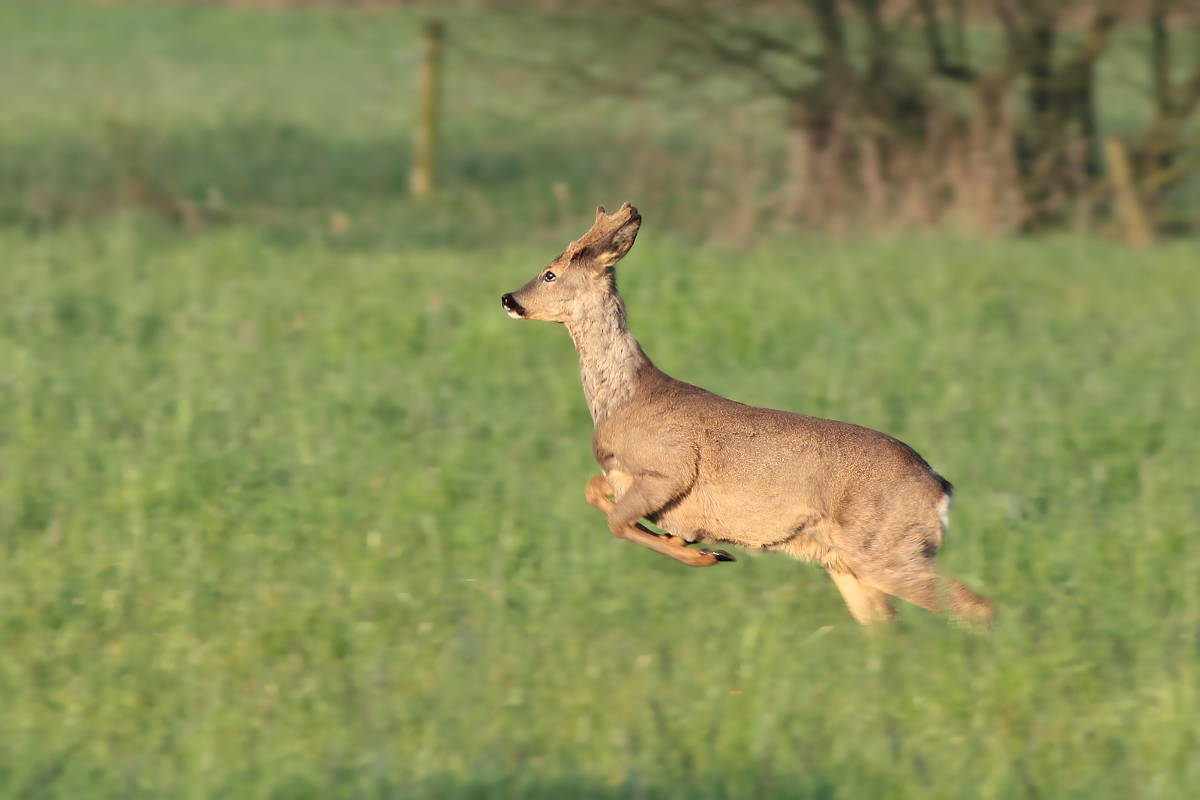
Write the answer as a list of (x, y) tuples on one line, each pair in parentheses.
[(866, 603), (622, 521), (927, 588), (972, 609)]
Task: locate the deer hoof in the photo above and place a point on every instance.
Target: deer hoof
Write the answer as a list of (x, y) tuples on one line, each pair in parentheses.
[(719, 555)]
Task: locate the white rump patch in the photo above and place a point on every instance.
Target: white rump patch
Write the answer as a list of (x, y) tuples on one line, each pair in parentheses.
[(943, 509)]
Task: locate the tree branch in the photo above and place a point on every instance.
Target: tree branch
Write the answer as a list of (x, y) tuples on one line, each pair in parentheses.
[(700, 25), (1160, 57), (879, 46), (1103, 23), (937, 48), (1188, 97)]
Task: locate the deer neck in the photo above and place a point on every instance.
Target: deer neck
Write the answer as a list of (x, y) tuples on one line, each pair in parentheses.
[(610, 359)]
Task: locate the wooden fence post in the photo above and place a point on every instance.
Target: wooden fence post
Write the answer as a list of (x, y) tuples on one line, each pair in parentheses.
[(1131, 213), (421, 178)]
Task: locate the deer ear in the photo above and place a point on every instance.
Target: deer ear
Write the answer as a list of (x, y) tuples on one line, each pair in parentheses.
[(610, 251)]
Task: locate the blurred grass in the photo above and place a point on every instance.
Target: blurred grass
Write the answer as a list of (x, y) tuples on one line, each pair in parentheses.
[(299, 517), (293, 512)]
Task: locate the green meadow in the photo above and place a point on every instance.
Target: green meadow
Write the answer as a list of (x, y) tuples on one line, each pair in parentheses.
[(289, 508)]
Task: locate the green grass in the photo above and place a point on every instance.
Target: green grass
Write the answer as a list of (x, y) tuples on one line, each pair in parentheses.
[(292, 514)]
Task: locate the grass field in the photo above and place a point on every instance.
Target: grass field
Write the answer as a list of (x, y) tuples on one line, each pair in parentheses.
[(289, 511)]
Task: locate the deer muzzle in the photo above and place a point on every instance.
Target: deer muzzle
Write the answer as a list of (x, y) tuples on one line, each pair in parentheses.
[(514, 309)]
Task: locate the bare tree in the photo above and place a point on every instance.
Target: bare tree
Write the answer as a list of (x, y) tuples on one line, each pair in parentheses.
[(976, 112)]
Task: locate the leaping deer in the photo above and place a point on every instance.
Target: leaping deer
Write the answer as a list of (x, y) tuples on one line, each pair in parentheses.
[(706, 469)]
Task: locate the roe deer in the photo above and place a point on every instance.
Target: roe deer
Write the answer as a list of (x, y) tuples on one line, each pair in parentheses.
[(705, 469)]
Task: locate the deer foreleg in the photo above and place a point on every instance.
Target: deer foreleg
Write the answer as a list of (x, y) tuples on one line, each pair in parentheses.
[(637, 502)]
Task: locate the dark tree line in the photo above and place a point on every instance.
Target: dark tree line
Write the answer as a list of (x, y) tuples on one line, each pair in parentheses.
[(923, 110)]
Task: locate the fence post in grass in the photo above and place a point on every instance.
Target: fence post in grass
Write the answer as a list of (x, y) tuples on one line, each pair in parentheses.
[(1131, 213), (429, 77)]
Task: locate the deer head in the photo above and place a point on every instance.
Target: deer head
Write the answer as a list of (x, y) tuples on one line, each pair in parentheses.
[(564, 289)]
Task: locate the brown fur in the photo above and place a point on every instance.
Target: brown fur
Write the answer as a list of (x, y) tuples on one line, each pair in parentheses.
[(706, 469)]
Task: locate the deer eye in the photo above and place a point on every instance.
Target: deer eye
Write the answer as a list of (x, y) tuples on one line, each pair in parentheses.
[(549, 276)]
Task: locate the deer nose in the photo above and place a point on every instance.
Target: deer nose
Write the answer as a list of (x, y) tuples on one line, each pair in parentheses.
[(511, 305)]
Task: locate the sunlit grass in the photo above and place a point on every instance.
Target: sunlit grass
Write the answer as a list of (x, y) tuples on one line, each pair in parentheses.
[(302, 517)]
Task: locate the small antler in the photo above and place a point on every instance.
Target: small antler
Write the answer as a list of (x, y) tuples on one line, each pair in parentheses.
[(610, 234)]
